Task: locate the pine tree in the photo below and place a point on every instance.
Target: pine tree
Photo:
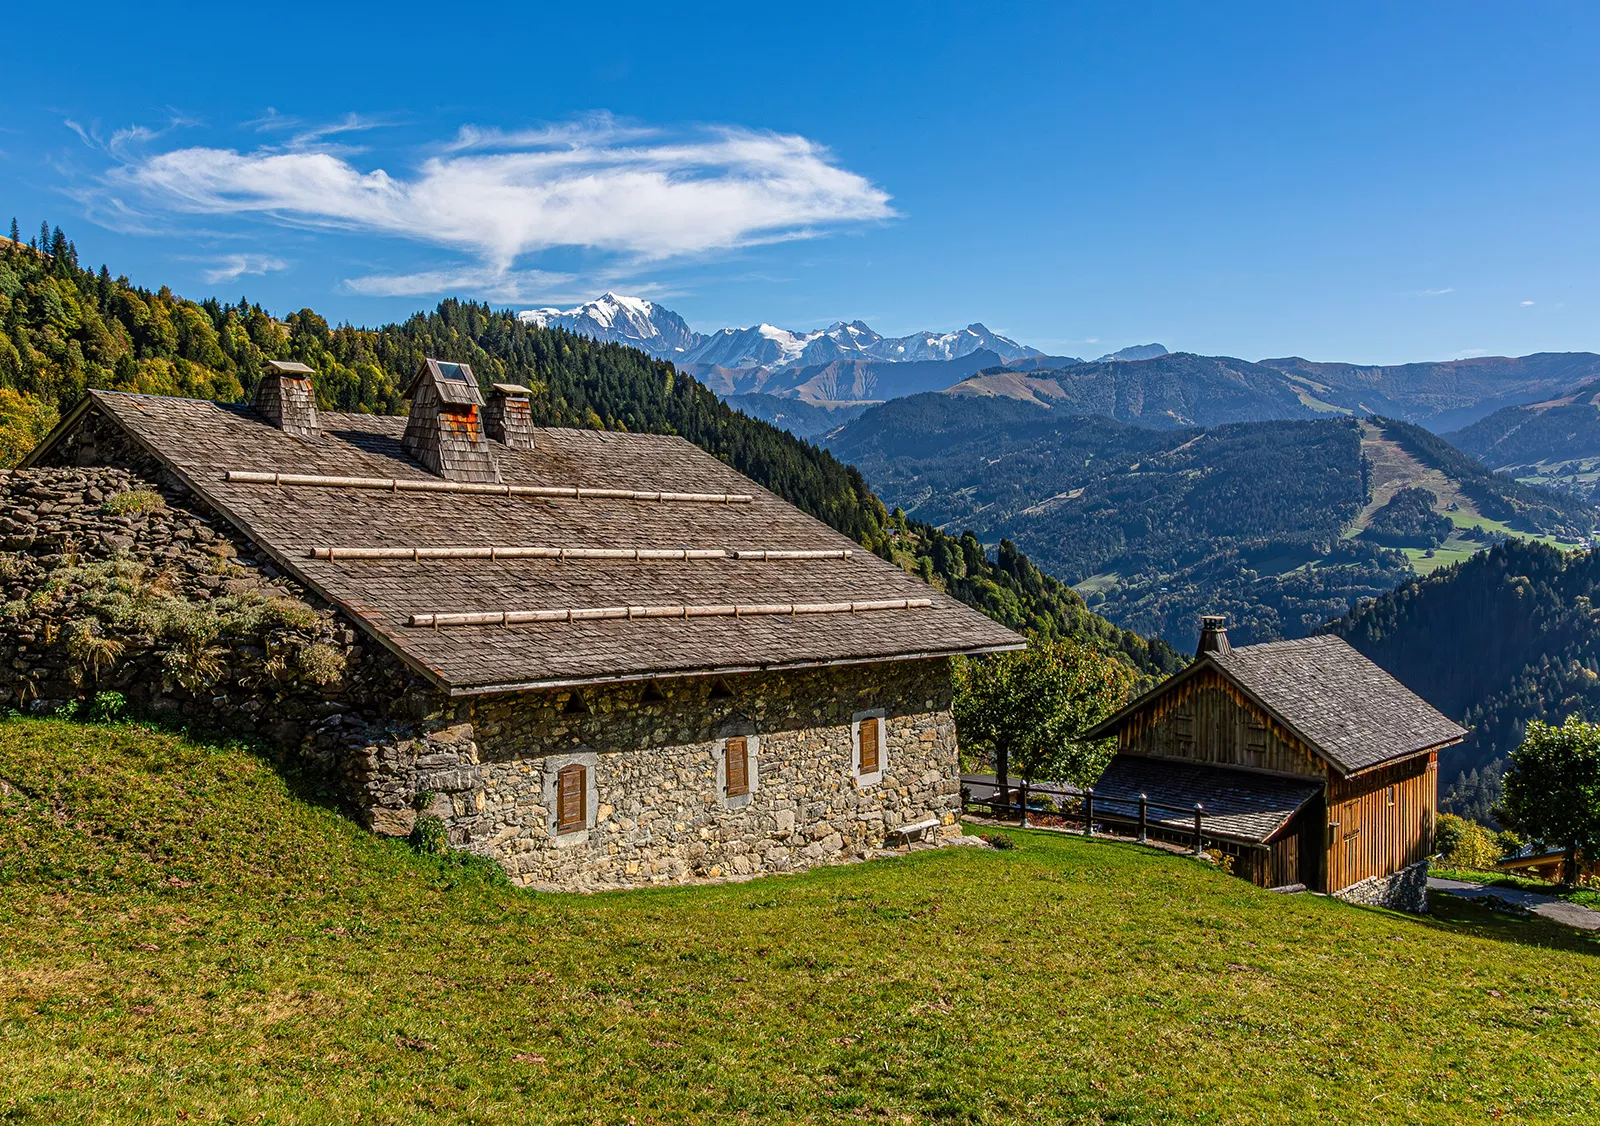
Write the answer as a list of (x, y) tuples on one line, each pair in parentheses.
[(16, 236)]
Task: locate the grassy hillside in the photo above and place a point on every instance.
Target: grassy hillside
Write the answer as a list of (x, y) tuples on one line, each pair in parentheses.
[(186, 939), (64, 329)]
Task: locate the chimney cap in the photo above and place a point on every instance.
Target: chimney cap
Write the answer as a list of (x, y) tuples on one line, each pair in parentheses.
[(515, 389), (1213, 635), (289, 367)]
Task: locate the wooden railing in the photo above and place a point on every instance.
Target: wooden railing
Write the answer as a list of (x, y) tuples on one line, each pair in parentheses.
[(1085, 808)]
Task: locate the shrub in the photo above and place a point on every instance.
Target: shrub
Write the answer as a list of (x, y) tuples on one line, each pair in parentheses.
[(428, 835), (321, 664), (1465, 844), (134, 502), (108, 706), (997, 840), (91, 652)]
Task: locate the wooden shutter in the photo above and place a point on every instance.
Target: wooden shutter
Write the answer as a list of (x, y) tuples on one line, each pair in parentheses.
[(869, 745), (571, 797), (737, 770)]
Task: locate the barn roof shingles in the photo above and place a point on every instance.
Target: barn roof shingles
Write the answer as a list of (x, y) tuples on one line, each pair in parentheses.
[(1235, 803), (203, 440), (1351, 712)]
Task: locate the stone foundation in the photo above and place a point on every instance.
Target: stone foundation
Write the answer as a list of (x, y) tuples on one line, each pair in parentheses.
[(1406, 890)]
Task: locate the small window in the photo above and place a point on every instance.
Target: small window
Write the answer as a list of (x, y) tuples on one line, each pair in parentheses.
[(571, 796), (869, 751), (869, 745), (1393, 792), (737, 759)]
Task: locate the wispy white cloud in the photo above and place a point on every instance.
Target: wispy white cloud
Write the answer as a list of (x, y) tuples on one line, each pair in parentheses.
[(305, 134), (1525, 304), (234, 266), (1435, 292), (1469, 353), (630, 193)]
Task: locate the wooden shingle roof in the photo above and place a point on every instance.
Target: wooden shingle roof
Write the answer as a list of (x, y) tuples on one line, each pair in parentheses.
[(1236, 803), (1355, 714), (201, 441)]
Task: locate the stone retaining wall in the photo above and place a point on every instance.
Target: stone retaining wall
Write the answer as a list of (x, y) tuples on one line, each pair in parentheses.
[(1406, 890)]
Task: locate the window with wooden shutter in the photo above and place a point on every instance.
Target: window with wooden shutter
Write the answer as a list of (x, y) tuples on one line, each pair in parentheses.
[(737, 766), (869, 745), (571, 799)]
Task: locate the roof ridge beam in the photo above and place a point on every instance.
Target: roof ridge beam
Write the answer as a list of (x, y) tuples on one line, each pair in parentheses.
[(630, 554), (424, 485)]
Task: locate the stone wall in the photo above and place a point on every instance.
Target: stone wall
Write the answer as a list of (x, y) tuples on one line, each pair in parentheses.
[(659, 812), (1406, 890), (118, 579), (114, 582)]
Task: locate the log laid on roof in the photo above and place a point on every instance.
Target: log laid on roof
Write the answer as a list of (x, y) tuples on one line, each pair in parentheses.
[(631, 554), (425, 485), (597, 613)]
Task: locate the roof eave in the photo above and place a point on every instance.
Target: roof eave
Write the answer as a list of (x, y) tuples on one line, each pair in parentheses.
[(460, 691)]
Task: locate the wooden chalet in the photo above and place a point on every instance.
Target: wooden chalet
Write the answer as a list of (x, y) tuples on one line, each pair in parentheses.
[(1311, 764)]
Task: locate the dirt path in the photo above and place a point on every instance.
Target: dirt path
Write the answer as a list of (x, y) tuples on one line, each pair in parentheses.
[(1546, 906)]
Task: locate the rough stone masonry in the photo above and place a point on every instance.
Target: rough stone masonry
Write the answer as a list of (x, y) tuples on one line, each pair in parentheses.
[(118, 579)]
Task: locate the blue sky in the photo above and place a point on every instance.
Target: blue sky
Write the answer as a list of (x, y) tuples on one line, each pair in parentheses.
[(1375, 183)]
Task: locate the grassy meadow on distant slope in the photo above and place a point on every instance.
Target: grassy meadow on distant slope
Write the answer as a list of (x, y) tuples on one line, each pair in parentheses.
[(1265, 522), (185, 939)]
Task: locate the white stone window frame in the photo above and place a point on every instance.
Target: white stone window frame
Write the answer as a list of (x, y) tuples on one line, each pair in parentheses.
[(553, 765), (752, 759), (863, 781)]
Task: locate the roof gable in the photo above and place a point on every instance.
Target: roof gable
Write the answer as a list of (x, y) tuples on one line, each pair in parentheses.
[(1345, 708)]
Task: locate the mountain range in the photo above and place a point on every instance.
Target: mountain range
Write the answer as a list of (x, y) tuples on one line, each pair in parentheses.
[(1555, 442), (655, 329)]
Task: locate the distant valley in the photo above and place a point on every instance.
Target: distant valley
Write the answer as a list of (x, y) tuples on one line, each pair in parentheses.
[(1555, 442), (1281, 524)]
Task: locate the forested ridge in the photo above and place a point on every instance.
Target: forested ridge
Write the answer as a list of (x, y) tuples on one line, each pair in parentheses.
[(1508, 636), (65, 329)]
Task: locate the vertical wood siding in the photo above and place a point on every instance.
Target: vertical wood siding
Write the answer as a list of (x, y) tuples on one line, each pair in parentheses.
[(1208, 720), (1385, 820)]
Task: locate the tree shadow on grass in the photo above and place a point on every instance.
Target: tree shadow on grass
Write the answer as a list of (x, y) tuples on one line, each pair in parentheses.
[(1456, 915)]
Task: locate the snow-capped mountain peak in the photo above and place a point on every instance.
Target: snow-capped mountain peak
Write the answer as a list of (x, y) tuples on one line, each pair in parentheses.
[(623, 320), (655, 329)]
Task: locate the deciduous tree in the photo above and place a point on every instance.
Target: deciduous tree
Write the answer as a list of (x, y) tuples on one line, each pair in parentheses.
[(1553, 790), (1030, 709)]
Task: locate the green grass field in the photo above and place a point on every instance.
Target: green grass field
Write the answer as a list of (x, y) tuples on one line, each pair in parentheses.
[(185, 939)]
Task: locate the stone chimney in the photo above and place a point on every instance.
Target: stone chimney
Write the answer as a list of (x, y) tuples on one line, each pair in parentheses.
[(284, 398), (509, 417), (1213, 635), (445, 430)]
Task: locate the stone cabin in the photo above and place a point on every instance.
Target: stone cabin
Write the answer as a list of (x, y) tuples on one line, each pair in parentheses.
[(602, 659), (1311, 764)]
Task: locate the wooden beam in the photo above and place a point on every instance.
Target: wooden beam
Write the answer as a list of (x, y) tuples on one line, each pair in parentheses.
[(631, 613), (427, 485)]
